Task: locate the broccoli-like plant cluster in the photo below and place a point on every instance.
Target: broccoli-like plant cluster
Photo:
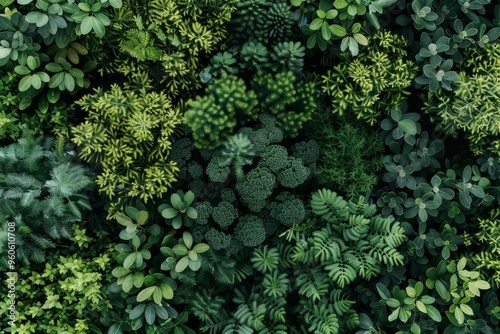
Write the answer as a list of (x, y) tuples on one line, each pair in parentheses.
[(261, 191)]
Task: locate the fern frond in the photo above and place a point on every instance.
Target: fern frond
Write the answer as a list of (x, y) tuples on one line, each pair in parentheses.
[(321, 318), (313, 283), (275, 285), (328, 205), (326, 246), (251, 315), (237, 328), (341, 273), (341, 302), (387, 255), (209, 310), (276, 311)]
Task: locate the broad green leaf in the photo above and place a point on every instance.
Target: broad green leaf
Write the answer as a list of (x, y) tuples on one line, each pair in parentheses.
[(150, 314), (338, 30), (145, 294), (410, 291), (408, 126), (116, 3), (120, 272), (21, 69), (4, 52), (433, 313), (167, 291), (421, 306), (128, 283), (157, 296), (195, 265), (56, 80), (138, 279), (466, 309), (383, 291), (325, 31), (129, 260), (122, 248), (176, 200), (161, 312), (394, 315), (142, 217), (188, 239), (182, 264), (296, 2), (191, 213), (69, 82), (361, 39), (53, 67), (189, 198), (123, 219), (137, 311), (459, 315), (193, 255), (131, 212), (169, 213), (25, 83), (180, 250), (316, 24), (86, 25), (393, 302), (201, 248)]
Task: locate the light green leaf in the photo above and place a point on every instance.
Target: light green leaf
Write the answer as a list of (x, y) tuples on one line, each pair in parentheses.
[(145, 294), (466, 309), (201, 248), (86, 25), (316, 24), (167, 291), (459, 315), (169, 213), (123, 219), (433, 313), (142, 217), (25, 83), (362, 40), (157, 296), (188, 239), (182, 264)]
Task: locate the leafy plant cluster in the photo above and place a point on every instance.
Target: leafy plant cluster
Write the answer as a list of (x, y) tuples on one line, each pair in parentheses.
[(374, 82), (43, 49), (66, 293), (350, 154), (229, 104), (327, 22), (440, 31), (44, 190), (472, 108), (161, 43), (130, 136)]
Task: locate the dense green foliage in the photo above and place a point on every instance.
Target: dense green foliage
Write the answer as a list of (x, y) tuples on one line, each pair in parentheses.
[(250, 166), (65, 294), (130, 136), (43, 191)]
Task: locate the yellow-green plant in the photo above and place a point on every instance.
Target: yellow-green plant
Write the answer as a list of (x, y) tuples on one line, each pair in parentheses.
[(473, 107), (130, 136), (373, 83)]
